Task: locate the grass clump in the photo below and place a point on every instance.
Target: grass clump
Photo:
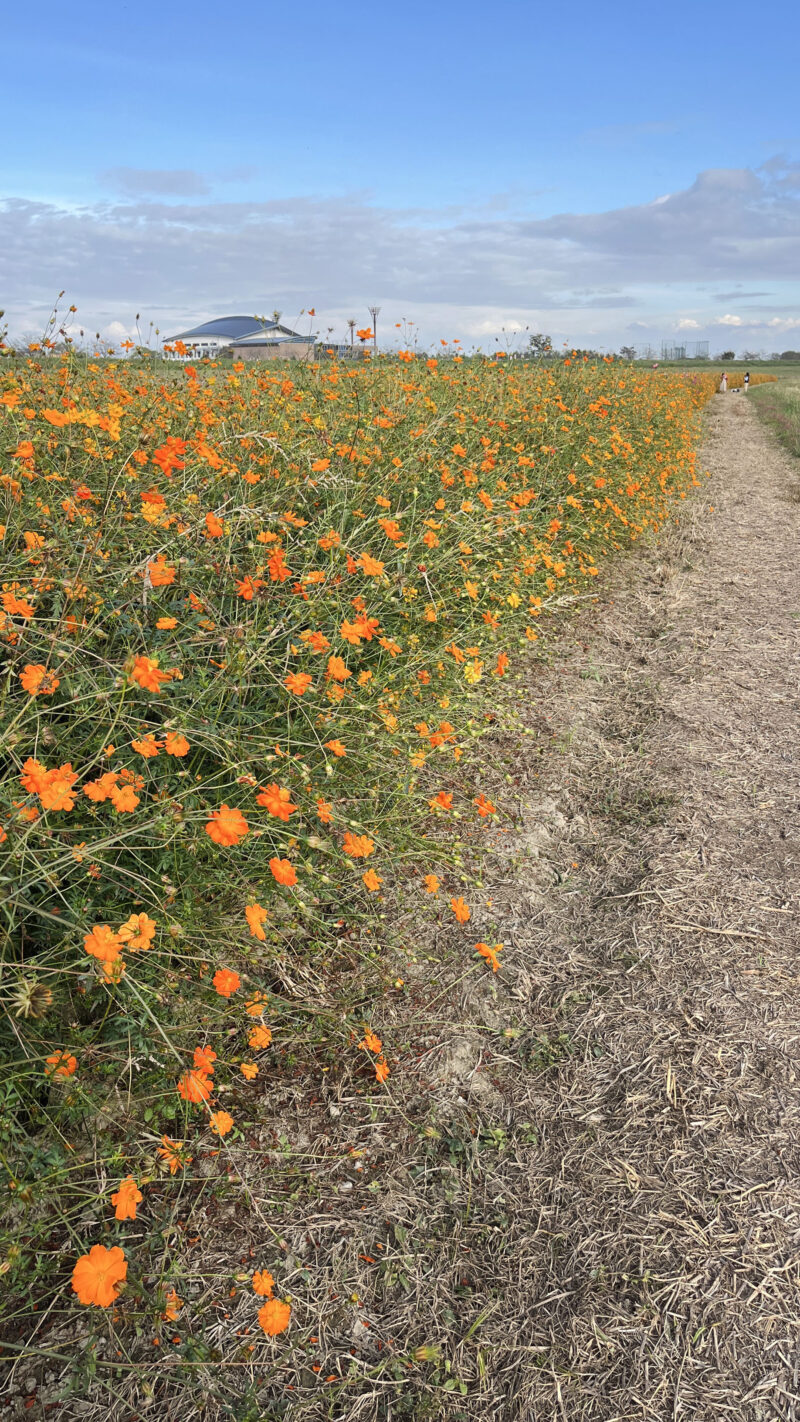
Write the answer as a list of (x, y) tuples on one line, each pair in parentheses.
[(779, 406)]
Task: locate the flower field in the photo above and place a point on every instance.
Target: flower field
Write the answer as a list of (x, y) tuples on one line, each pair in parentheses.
[(253, 622)]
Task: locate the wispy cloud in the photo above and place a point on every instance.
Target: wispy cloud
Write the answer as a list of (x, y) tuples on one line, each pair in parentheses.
[(159, 182), (617, 133)]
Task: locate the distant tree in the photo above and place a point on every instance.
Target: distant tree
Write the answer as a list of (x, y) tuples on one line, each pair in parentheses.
[(726, 355), (540, 345), (628, 352), (789, 355), (751, 355)]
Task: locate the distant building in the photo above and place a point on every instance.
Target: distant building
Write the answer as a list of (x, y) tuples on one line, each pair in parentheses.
[(273, 342), (244, 337), (341, 350)]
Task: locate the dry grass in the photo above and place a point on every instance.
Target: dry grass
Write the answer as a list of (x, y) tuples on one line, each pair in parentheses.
[(578, 1199)]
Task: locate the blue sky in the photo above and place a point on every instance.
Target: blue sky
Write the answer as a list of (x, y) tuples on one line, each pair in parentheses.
[(607, 173)]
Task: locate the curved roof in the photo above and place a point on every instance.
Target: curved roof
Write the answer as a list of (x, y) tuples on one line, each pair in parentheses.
[(227, 327)]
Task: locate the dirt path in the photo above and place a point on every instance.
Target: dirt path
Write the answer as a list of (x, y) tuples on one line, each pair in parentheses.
[(660, 982)]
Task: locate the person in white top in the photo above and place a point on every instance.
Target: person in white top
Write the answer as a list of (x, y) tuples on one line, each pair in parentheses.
[(746, 381), (723, 384)]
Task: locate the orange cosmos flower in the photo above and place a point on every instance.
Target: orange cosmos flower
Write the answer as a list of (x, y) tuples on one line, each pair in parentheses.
[(60, 1064), (283, 872), (503, 662), (370, 1042), (256, 1004), (114, 972), (226, 982), (260, 1038), (194, 1086), (176, 744), (221, 1122), (173, 1306), (37, 680), (443, 801), (160, 572), (274, 1317), (204, 1059), (298, 682), (256, 917), (460, 910), (100, 789), (138, 932), (124, 799), (263, 1283), (335, 747), (431, 884), (34, 776), (324, 811), (214, 529), (146, 674), (277, 800), (58, 793), (381, 1069), (166, 624), (148, 746), (248, 587), (337, 669), (227, 826), (96, 1275), (371, 566), (490, 954), (126, 1199), (249, 1070), (358, 846), (170, 1152), (16, 606), (103, 943), (372, 881), (485, 807)]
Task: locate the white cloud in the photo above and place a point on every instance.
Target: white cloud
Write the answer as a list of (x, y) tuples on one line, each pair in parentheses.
[(687, 324), (118, 331), (454, 272)]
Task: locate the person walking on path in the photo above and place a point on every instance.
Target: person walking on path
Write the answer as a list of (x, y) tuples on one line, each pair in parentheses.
[(723, 384), (746, 381)]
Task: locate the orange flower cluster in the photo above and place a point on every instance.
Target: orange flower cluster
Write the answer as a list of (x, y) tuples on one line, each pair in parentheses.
[(240, 690), (106, 944)]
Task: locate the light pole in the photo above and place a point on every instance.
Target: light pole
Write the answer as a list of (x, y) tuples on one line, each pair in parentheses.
[(374, 312)]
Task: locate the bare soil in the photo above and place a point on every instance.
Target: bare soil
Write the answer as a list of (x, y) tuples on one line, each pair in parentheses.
[(578, 1197)]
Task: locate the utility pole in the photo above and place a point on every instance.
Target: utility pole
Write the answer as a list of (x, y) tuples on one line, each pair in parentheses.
[(374, 312), (352, 325)]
